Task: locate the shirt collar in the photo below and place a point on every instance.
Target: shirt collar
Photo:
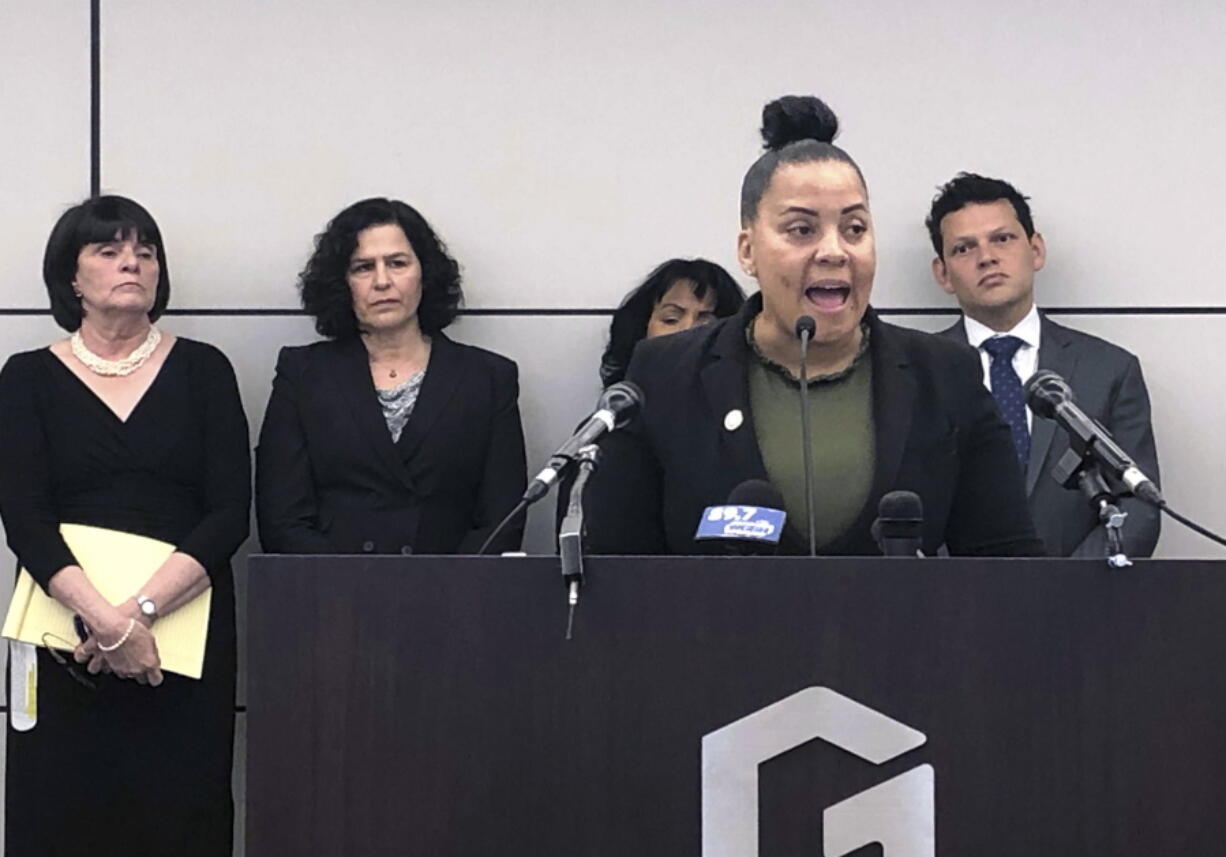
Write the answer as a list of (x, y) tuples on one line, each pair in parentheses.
[(866, 335), (1026, 330)]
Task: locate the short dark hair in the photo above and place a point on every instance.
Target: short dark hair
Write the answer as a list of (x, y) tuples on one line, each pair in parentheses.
[(796, 129), (325, 287), (629, 323), (970, 189), (97, 221)]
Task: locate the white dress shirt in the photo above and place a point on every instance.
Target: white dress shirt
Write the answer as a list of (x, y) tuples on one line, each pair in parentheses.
[(1025, 359)]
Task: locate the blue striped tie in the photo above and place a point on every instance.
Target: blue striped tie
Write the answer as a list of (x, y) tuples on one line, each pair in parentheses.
[(1007, 388)]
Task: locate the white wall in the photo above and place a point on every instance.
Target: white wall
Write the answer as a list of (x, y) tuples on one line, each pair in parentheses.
[(563, 149)]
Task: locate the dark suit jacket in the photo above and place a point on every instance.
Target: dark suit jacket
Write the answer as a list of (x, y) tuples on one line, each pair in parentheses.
[(330, 480), (938, 433), (1109, 387)]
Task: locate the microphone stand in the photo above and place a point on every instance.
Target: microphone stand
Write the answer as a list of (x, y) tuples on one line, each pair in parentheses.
[(805, 333), (1074, 471), (1049, 396), (570, 534)]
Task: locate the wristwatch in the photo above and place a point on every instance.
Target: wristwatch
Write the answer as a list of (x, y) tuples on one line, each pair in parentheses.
[(147, 608)]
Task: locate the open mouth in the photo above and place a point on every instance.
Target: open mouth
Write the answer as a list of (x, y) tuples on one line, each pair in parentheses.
[(828, 298)]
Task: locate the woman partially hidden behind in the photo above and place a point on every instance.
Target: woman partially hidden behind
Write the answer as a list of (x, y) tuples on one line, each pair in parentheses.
[(388, 437), (678, 295), (123, 427)]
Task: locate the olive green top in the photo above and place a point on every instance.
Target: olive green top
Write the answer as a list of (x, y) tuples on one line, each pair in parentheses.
[(842, 439)]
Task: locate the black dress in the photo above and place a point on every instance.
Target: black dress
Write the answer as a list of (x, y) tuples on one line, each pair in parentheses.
[(126, 769)]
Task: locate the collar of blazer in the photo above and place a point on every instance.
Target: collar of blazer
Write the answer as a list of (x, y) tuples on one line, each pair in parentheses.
[(354, 387), (725, 382), (1055, 355)]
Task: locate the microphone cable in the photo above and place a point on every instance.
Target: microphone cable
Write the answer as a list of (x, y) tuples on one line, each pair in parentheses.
[(502, 525), (1190, 524)]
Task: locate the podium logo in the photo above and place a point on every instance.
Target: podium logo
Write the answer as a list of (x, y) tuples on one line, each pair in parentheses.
[(899, 814)]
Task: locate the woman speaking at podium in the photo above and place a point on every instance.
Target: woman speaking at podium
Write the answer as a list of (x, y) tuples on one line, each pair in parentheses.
[(893, 409), (387, 437), (126, 428)]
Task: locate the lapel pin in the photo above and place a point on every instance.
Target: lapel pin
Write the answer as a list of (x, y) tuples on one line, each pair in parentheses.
[(733, 419)]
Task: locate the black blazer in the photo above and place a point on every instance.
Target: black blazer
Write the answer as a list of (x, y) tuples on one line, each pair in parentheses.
[(1109, 387), (938, 433), (330, 480)]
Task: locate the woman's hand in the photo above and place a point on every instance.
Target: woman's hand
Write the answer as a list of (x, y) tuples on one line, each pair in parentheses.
[(137, 658), (86, 651)]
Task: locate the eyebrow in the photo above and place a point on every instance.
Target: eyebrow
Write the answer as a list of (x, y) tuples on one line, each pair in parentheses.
[(994, 231), (385, 257), (800, 209), (138, 242)]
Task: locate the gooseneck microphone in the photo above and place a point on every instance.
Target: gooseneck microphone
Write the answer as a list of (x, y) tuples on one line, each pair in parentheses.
[(618, 405), (1050, 396), (805, 328), (899, 528)]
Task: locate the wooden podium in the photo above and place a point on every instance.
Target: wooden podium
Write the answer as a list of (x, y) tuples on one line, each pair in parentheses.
[(431, 705)]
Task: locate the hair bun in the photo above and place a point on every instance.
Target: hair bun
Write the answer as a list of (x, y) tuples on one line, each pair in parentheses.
[(798, 117)]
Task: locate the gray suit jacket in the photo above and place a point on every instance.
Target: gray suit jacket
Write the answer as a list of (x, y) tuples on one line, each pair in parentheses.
[(1108, 384)]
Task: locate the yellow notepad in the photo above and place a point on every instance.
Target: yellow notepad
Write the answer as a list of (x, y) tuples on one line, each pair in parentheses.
[(117, 564)]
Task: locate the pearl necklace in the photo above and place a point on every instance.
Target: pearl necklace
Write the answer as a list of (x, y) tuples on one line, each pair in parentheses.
[(115, 368)]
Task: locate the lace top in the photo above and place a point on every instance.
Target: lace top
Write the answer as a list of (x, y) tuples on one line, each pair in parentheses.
[(398, 402)]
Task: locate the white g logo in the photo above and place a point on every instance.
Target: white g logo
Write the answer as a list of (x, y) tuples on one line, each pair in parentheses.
[(900, 813)]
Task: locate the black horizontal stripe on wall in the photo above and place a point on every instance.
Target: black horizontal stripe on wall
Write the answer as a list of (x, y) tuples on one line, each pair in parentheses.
[(95, 98), (573, 312)]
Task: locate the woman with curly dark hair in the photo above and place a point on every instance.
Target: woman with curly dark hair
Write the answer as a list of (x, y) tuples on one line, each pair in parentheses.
[(677, 295), (387, 437)]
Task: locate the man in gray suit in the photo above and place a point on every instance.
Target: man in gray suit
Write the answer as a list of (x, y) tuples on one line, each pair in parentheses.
[(987, 253)]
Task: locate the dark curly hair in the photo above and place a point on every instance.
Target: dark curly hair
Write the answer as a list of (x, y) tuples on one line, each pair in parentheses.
[(796, 129), (325, 288), (629, 323), (970, 188), (97, 221)]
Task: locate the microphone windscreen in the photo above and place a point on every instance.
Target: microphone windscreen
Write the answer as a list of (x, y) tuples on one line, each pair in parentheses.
[(901, 506), (756, 492), (1046, 391), (623, 400), (899, 528), (805, 324)]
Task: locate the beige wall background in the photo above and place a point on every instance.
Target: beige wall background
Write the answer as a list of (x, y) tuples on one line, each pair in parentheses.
[(564, 149)]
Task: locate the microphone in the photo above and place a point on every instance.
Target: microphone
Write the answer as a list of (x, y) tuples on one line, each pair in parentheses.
[(749, 524), (899, 528), (1050, 396), (618, 405), (805, 328)]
